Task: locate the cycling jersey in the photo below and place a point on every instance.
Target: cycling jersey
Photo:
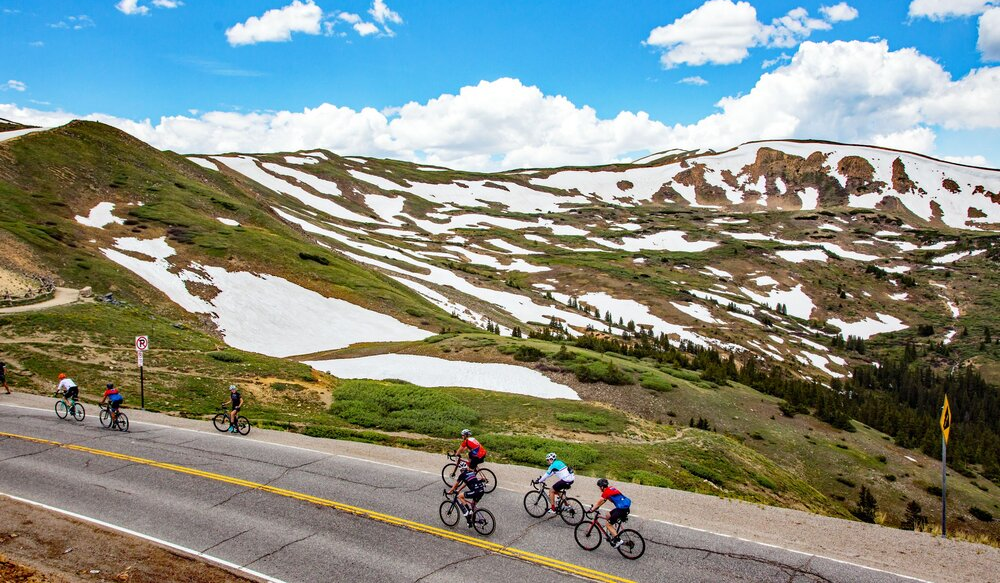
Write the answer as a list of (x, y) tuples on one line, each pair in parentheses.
[(114, 396), (471, 481), (475, 448), (559, 470), (616, 497), (236, 398), (65, 385)]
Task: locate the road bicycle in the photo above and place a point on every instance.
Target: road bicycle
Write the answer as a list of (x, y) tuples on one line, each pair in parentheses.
[(481, 519), (223, 423), (485, 475), (75, 409), (589, 534), (118, 421), (536, 503)]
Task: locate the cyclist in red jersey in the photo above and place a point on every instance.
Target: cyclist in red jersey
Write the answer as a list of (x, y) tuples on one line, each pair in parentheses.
[(620, 512), (477, 453)]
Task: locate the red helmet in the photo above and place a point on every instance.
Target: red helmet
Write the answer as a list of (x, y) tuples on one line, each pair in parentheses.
[(62, 375)]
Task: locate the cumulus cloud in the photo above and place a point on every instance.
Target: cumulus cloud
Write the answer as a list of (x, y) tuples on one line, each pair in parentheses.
[(131, 7), (842, 12), (989, 35), (382, 14), (278, 24), (167, 3), (696, 80), (976, 160), (721, 32), (365, 28), (74, 23), (14, 85), (945, 9), (857, 92)]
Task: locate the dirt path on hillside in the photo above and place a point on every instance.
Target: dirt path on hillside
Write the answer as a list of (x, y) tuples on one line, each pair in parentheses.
[(41, 546), (64, 296)]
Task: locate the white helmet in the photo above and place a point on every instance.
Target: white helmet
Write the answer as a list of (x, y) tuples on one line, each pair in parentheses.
[(551, 457), (466, 432)]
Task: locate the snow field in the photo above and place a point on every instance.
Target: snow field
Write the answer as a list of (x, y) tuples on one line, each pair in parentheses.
[(100, 216)]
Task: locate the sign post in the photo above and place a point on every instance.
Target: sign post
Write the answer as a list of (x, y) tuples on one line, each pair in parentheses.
[(945, 430), (141, 344)]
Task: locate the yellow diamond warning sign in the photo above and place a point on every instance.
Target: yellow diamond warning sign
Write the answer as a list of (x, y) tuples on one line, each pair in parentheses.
[(946, 419)]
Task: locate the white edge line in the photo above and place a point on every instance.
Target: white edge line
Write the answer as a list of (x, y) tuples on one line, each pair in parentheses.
[(812, 555), (170, 545)]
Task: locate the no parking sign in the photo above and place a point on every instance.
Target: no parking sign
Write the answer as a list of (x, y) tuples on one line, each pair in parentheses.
[(141, 343)]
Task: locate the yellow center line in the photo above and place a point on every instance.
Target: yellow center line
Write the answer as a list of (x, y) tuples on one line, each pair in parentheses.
[(491, 547)]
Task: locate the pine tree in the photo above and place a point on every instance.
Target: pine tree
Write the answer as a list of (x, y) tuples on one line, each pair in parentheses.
[(914, 518), (867, 506)]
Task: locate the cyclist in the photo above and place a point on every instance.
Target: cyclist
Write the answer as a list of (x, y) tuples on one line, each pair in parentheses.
[(475, 489), (114, 400), (477, 453), (3, 376), (559, 469), (69, 390), (620, 512), (236, 401)]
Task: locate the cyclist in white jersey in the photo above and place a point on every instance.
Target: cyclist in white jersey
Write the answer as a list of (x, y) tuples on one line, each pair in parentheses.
[(69, 391), (560, 470)]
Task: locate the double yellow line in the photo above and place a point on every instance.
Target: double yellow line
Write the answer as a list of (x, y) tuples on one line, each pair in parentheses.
[(491, 547)]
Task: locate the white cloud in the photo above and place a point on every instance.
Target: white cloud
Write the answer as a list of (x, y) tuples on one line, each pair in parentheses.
[(843, 91), (365, 28), (976, 160), (37, 44), (989, 35), (721, 32), (14, 85), (842, 12), (782, 58), (944, 9), (696, 80), (277, 25), (381, 13), (167, 3), (349, 17), (132, 7), (74, 23)]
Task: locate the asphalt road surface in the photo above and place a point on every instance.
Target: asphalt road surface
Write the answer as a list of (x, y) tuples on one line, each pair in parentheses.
[(300, 516)]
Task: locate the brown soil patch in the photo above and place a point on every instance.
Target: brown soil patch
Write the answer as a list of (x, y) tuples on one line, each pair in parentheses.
[(39, 546)]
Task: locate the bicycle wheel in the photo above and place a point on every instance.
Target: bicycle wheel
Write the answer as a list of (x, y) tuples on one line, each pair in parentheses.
[(448, 474), (105, 418), (588, 535), (243, 425), (633, 545), (61, 410), (449, 513), (221, 422), (488, 478), (536, 504), (122, 421), (79, 412), (572, 511), (483, 522)]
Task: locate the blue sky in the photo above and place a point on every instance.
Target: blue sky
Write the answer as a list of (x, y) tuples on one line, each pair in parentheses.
[(183, 59)]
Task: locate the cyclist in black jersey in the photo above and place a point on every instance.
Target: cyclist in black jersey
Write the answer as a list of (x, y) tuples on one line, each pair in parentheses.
[(236, 401), (475, 489)]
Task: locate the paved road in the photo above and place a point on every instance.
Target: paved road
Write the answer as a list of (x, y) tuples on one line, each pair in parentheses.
[(297, 540)]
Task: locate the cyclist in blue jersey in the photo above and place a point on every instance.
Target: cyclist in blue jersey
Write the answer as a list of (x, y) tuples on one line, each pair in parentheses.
[(114, 399), (467, 477), (620, 512), (560, 470)]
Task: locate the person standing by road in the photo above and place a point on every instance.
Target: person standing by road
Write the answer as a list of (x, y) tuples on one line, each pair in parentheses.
[(3, 376), (236, 401)]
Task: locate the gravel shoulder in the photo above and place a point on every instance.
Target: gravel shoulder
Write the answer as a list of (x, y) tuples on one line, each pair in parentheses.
[(41, 546), (917, 555)]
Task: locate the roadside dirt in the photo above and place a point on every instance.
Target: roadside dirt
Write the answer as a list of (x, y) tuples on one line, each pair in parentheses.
[(39, 546)]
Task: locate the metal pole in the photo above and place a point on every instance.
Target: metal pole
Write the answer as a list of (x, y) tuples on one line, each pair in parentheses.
[(142, 390), (944, 487)]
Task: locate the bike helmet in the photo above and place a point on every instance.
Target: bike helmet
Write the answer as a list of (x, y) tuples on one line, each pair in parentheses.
[(602, 483), (232, 388), (466, 432), (109, 386), (462, 465), (62, 375), (551, 457)]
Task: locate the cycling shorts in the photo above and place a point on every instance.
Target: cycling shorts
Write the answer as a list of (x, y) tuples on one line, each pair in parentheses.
[(72, 393), (475, 461), (114, 405), (474, 495), (561, 486), (618, 515)]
